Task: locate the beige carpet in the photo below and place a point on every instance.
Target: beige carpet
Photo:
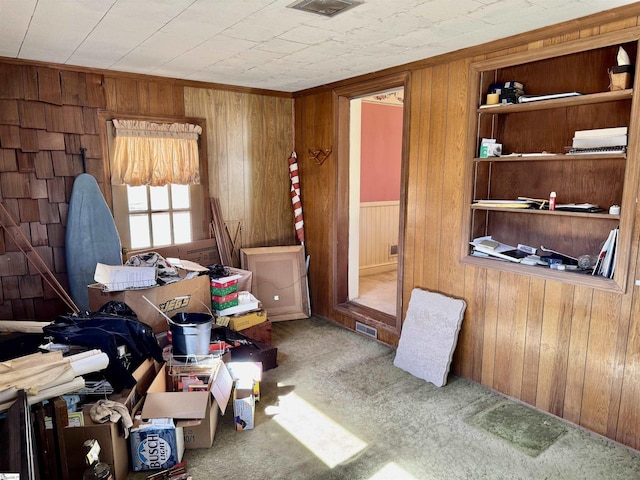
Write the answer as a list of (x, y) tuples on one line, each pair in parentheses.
[(337, 408)]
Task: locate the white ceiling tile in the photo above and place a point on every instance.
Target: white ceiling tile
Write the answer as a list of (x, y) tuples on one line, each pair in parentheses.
[(262, 43), (280, 45), (14, 21), (307, 35)]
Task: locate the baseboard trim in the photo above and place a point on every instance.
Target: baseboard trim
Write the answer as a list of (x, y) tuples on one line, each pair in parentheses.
[(381, 268)]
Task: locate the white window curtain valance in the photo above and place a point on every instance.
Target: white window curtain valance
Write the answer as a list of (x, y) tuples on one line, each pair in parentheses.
[(156, 154)]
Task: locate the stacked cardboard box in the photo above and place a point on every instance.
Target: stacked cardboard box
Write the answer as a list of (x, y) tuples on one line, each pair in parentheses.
[(246, 377), (113, 445), (193, 413)]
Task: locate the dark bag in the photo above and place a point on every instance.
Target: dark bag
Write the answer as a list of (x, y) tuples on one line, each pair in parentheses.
[(107, 331)]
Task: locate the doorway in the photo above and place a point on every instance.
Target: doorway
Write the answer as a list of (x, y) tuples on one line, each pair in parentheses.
[(375, 157), (347, 267)]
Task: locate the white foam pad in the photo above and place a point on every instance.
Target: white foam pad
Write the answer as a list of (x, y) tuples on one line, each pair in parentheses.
[(429, 335)]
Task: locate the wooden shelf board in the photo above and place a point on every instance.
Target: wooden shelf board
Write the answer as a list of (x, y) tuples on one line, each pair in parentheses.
[(576, 278), (562, 213), (555, 158), (588, 99)]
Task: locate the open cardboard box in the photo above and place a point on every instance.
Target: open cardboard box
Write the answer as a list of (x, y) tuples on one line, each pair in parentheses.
[(204, 252), (114, 449), (246, 377), (195, 412), (191, 295)]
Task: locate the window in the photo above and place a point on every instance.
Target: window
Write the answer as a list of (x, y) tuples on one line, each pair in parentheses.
[(158, 216), (152, 216)]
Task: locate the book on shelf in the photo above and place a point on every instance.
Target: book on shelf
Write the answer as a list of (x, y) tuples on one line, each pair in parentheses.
[(489, 247), (601, 132), (602, 150), (550, 96), (604, 141), (605, 265), (503, 203), (579, 207)]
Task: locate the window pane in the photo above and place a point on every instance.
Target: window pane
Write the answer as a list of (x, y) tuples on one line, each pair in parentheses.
[(139, 231), (181, 227), (137, 198), (180, 196), (159, 198), (161, 228)]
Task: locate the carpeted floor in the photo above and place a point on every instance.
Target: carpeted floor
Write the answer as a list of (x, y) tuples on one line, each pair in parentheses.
[(337, 408)]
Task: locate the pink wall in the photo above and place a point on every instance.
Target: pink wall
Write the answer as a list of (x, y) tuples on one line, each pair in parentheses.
[(381, 150)]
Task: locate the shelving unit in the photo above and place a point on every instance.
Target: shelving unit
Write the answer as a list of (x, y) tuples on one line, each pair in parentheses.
[(548, 126)]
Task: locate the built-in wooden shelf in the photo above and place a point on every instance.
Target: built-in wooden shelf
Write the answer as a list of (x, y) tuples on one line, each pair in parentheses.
[(562, 213), (575, 101), (555, 157)]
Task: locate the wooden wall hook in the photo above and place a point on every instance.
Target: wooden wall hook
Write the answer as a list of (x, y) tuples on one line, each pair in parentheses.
[(319, 156)]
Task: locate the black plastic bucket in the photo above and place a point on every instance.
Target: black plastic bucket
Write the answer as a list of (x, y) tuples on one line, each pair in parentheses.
[(191, 333)]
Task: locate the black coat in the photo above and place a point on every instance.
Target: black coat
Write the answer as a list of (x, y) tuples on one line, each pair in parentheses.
[(108, 331)]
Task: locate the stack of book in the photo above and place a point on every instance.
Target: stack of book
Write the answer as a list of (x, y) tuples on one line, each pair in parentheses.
[(508, 92), (600, 140), (606, 264)]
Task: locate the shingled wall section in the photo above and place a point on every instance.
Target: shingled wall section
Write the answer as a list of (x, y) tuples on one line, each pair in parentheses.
[(46, 116)]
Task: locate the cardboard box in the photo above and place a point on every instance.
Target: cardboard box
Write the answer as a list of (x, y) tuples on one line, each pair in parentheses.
[(246, 303), (224, 285), (246, 277), (120, 277), (260, 332), (244, 405), (190, 295), (144, 375), (114, 449), (202, 434), (196, 412), (256, 352), (249, 372), (204, 252), (155, 444), (246, 320), (226, 301)]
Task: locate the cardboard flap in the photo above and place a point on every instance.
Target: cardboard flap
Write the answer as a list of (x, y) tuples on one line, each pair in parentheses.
[(221, 388), (176, 405), (245, 370), (188, 423)]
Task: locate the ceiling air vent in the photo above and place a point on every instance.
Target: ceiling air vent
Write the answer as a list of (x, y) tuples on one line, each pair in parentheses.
[(328, 8)]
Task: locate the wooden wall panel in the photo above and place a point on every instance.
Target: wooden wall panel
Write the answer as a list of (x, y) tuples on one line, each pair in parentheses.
[(318, 184), (580, 323), (378, 231), (511, 334), (599, 364), (419, 124), (249, 140), (572, 351), (533, 335), (434, 187)]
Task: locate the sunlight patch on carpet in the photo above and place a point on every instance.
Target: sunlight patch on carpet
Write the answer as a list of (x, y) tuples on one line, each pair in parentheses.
[(392, 470), (525, 429), (327, 440)]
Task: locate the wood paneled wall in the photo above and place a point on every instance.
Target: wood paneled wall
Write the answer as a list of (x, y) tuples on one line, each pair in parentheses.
[(572, 351), (250, 139), (378, 231)]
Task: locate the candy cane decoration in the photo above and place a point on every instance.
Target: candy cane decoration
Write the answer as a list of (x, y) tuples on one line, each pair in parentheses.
[(295, 196)]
